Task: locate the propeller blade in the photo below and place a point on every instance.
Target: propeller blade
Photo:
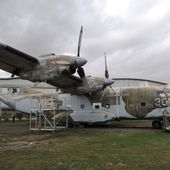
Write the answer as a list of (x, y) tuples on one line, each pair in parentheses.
[(106, 69), (80, 72), (110, 82), (79, 41)]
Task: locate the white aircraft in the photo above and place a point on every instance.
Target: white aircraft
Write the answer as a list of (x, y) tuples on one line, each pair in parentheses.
[(131, 99)]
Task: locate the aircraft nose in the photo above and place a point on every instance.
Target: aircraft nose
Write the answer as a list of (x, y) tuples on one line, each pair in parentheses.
[(80, 61)]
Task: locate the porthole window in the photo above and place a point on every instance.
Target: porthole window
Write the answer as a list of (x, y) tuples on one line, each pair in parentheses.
[(82, 106), (143, 104)]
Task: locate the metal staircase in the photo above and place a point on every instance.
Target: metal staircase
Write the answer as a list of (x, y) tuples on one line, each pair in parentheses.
[(44, 115)]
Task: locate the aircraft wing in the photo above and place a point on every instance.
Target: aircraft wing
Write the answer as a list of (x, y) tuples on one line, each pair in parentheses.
[(13, 60), (66, 83)]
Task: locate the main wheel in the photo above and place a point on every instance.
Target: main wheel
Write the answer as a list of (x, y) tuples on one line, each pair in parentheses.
[(157, 124)]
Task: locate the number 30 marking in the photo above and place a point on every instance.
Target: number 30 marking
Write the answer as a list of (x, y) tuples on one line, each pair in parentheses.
[(161, 102)]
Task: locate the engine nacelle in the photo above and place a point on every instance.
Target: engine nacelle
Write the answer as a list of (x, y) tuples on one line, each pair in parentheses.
[(85, 90), (47, 72)]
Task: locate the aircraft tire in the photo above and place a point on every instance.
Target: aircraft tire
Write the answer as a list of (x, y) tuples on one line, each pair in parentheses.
[(157, 124)]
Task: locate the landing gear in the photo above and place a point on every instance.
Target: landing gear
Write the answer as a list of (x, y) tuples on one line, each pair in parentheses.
[(157, 124)]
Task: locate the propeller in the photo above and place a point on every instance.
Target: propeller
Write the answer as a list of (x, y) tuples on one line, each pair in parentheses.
[(107, 74), (108, 82), (80, 70), (81, 73), (114, 92)]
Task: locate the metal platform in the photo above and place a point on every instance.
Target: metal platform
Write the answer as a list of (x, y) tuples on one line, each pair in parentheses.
[(46, 117)]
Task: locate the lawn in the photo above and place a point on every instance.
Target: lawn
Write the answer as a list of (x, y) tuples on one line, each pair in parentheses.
[(85, 149)]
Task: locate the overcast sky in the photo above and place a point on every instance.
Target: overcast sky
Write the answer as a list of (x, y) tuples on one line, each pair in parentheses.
[(134, 33)]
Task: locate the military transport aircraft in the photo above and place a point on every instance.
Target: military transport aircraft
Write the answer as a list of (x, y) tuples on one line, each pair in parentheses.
[(130, 99), (93, 99)]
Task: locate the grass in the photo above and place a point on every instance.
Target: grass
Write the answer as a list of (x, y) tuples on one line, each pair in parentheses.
[(133, 123), (17, 122), (85, 149)]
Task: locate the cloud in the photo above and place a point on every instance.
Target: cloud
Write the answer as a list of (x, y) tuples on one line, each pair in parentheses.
[(135, 34)]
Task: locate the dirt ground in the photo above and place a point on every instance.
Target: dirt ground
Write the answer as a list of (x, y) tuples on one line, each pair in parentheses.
[(14, 136)]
